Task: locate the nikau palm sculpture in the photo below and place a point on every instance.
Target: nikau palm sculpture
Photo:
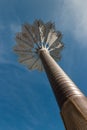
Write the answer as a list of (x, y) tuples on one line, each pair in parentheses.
[(39, 46)]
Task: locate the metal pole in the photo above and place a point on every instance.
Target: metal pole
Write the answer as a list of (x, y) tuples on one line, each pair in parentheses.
[(72, 102)]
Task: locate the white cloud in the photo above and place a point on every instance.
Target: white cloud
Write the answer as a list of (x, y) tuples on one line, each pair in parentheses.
[(6, 42), (73, 18)]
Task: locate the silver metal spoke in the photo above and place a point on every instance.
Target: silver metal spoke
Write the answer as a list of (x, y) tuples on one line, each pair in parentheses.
[(35, 37)]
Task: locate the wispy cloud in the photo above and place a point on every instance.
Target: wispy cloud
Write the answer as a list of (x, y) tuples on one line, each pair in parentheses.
[(7, 34), (73, 18)]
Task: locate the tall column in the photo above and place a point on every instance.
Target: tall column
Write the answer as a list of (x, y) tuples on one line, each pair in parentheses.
[(72, 102)]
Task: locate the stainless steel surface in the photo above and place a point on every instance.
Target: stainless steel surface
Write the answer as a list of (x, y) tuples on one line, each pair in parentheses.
[(74, 113), (62, 85), (72, 102)]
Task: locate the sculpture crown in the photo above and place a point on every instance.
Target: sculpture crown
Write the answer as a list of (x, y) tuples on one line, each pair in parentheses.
[(34, 37)]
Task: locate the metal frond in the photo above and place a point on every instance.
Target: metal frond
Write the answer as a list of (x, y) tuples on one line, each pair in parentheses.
[(34, 37)]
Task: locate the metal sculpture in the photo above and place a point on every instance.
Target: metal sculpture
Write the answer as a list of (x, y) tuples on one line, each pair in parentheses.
[(39, 46)]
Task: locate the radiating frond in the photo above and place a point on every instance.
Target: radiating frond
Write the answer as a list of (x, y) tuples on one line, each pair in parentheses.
[(34, 37)]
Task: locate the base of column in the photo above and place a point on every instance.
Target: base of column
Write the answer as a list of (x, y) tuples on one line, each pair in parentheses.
[(74, 113)]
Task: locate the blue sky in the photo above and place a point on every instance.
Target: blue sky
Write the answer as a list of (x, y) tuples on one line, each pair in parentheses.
[(26, 99)]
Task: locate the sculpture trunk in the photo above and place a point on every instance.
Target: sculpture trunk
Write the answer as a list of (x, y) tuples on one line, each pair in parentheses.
[(72, 102)]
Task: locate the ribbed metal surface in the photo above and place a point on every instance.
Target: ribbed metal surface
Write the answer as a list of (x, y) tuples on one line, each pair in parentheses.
[(62, 85)]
